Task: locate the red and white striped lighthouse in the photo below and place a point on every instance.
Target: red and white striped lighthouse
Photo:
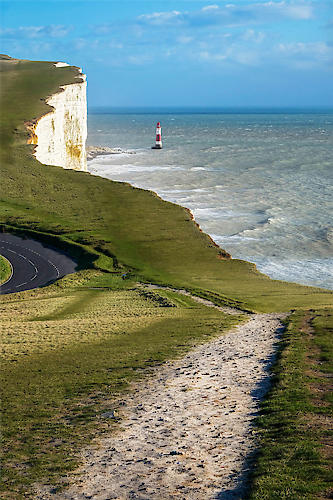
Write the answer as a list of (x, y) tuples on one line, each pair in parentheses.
[(158, 143)]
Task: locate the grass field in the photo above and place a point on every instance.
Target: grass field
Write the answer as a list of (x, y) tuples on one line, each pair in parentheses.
[(5, 269), (68, 353), (68, 350), (295, 459)]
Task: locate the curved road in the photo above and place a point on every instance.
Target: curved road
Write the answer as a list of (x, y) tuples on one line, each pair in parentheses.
[(33, 264)]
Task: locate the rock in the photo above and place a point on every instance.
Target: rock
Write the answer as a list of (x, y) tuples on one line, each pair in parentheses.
[(109, 414)]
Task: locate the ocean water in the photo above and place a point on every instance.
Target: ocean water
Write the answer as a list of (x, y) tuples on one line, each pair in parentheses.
[(259, 183)]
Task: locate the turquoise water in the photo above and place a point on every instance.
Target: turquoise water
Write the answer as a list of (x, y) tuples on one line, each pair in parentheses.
[(259, 184)]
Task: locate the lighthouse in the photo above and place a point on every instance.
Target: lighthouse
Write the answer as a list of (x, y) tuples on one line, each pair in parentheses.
[(158, 143)]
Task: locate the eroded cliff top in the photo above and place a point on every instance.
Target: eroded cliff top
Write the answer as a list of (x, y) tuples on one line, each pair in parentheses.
[(25, 87)]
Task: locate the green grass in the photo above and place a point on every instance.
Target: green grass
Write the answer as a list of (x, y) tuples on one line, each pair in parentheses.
[(130, 227), (5, 269), (68, 349), (295, 458), (67, 353)]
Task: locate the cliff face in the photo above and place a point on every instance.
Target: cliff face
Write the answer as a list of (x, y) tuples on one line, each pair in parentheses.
[(60, 135)]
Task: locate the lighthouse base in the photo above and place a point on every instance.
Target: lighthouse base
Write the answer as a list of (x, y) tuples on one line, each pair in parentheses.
[(156, 147)]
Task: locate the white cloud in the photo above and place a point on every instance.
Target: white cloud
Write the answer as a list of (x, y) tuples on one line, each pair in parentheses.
[(301, 55), (210, 7), (140, 60), (247, 57), (238, 55), (184, 39), (160, 18), (234, 14), (246, 51), (208, 56), (234, 35), (32, 32), (251, 35), (294, 10), (309, 49), (102, 29)]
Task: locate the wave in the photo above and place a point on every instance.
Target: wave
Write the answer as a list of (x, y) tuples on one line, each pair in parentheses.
[(258, 185), (317, 272), (215, 213), (119, 169)]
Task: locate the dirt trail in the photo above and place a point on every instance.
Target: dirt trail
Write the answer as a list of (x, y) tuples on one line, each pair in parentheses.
[(206, 302), (187, 431)]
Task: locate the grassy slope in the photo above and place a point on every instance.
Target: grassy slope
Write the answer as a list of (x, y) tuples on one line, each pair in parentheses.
[(5, 269), (155, 238), (67, 349), (295, 459), (67, 352)]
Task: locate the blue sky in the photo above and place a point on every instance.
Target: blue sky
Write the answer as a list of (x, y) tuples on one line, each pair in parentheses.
[(182, 53)]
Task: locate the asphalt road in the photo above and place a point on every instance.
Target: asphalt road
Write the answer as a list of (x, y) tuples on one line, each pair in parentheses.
[(33, 264)]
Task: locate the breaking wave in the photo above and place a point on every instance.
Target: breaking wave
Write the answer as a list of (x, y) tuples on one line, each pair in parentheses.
[(258, 184)]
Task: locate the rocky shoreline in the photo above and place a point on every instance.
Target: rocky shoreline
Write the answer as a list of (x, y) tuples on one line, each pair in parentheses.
[(94, 151)]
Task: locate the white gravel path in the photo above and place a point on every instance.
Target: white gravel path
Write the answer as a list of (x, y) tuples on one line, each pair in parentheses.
[(187, 431)]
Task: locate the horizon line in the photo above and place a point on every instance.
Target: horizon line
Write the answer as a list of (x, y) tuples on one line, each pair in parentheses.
[(104, 109)]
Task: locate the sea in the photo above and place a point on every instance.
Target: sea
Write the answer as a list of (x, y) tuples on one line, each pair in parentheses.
[(258, 181)]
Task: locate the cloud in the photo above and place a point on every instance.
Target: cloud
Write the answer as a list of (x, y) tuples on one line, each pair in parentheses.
[(295, 55), (163, 18), (101, 29), (311, 53), (184, 39), (233, 14), (33, 32), (235, 54), (139, 60), (224, 35), (251, 35), (210, 7), (227, 34)]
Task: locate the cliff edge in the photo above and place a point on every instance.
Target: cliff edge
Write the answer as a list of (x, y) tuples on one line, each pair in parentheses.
[(60, 135)]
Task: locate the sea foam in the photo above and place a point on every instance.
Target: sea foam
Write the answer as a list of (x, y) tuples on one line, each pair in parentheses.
[(260, 185)]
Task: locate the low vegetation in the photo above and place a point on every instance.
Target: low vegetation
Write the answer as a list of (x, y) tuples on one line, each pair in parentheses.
[(70, 352), (295, 433), (5, 269)]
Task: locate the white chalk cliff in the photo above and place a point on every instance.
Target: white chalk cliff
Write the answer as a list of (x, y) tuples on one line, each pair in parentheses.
[(60, 135)]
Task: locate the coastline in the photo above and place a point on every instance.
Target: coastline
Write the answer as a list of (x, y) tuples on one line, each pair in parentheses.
[(96, 151), (264, 234)]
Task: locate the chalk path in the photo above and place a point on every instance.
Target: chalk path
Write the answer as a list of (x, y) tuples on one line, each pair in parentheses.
[(186, 432)]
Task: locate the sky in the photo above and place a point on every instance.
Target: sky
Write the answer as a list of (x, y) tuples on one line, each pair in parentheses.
[(214, 53)]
